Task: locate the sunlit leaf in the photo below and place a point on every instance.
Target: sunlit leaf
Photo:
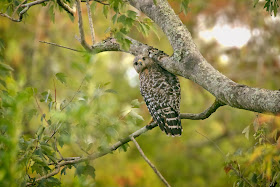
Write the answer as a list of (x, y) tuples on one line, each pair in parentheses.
[(61, 77), (136, 116), (246, 131)]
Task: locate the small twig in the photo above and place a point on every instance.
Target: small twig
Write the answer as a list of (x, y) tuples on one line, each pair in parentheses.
[(81, 27), (16, 9), (55, 144), (40, 109), (56, 171), (66, 7), (213, 143), (54, 94), (98, 1), (239, 174), (20, 15), (85, 151), (60, 46), (34, 3), (149, 162), (74, 94), (205, 114), (90, 22), (54, 132), (233, 168)]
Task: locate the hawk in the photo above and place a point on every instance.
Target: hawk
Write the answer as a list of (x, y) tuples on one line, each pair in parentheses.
[(162, 94)]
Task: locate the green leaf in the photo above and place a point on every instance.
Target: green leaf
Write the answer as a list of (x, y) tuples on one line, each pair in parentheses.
[(30, 114), (131, 14), (111, 91), (52, 182), (154, 29), (121, 19), (143, 28), (246, 131), (52, 13), (40, 169), (61, 77), (5, 67), (63, 171), (105, 11), (40, 132), (124, 147), (135, 103), (89, 146), (114, 18), (46, 148), (256, 2), (72, 18), (185, 6), (254, 178), (46, 96), (39, 160), (136, 116), (85, 170), (93, 6)]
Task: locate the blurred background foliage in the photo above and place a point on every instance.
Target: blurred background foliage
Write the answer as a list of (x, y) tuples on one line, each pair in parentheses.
[(53, 98)]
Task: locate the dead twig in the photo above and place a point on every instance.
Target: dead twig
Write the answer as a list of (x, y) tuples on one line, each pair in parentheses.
[(74, 94), (57, 45), (149, 162), (205, 114)]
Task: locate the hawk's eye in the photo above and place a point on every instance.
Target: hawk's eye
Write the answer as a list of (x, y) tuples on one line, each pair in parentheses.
[(143, 58), (135, 63)]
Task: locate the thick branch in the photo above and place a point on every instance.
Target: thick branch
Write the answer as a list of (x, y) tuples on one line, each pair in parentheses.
[(187, 62), (90, 22), (150, 163), (203, 115), (81, 27)]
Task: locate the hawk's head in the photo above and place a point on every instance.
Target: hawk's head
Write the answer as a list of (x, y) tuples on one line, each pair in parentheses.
[(142, 62)]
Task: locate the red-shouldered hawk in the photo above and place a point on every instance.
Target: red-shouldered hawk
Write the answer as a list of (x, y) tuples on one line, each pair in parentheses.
[(162, 94)]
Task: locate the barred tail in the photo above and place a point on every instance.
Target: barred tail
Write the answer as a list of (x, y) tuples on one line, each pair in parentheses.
[(171, 123)]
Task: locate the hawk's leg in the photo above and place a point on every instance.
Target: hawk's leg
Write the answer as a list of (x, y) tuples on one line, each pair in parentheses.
[(149, 125)]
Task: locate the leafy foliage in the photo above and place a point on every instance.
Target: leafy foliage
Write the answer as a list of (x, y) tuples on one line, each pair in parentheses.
[(52, 109), (259, 165), (61, 122), (270, 6)]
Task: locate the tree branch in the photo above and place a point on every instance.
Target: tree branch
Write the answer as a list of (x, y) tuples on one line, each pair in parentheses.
[(16, 9), (66, 7), (150, 163), (90, 23), (75, 160), (81, 27), (203, 115), (34, 3), (98, 1), (20, 15), (188, 62)]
